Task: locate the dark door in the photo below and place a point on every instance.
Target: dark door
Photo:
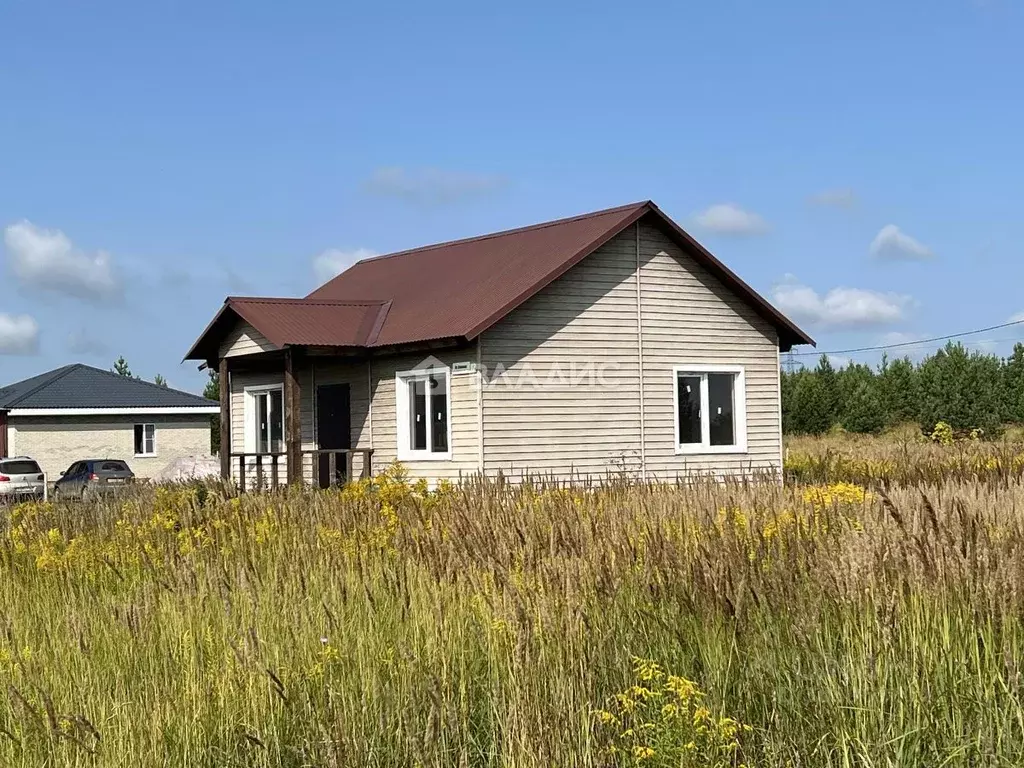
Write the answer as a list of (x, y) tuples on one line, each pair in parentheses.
[(333, 430)]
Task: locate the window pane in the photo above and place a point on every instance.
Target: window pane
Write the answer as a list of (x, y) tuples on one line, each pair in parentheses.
[(276, 421), (150, 435), (720, 403), (139, 441), (438, 414), (689, 409), (418, 414), (262, 422)]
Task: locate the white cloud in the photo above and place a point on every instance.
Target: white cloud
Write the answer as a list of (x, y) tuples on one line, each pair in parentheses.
[(842, 197), (430, 187), (334, 261), (730, 219), (47, 260), (893, 244), (840, 307), (19, 335)]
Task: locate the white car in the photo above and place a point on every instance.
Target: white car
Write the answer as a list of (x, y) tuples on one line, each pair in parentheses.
[(21, 479)]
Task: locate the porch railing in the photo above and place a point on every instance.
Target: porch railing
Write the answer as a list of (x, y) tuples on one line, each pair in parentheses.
[(329, 467)]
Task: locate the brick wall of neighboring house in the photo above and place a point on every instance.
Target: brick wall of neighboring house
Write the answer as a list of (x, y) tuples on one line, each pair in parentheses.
[(58, 441)]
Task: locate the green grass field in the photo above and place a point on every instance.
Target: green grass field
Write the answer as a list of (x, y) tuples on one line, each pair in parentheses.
[(868, 614)]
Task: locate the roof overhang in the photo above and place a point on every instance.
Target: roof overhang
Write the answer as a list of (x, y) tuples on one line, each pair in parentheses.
[(192, 410)]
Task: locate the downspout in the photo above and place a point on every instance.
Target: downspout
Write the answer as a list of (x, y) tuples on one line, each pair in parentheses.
[(640, 360)]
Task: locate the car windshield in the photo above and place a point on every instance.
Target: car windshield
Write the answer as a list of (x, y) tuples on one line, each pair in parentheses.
[(19, 467), (113, 466)]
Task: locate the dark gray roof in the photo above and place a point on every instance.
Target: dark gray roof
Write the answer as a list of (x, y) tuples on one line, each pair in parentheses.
[(82, 386)]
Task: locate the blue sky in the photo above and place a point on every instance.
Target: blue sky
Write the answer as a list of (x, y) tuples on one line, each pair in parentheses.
[(858, 163)]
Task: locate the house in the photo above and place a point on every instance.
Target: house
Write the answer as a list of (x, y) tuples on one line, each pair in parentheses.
[(607, 342), (80, 412)]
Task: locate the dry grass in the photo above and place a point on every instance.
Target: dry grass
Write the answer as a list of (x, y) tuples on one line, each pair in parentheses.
[(814, 625)]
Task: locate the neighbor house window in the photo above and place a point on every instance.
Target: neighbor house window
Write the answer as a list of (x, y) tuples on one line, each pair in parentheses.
[(424, 429), (264, 429), (145, 439), (710, 409)]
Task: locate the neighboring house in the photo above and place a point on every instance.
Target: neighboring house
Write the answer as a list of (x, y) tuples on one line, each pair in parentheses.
[(604, 343), (80, 412)]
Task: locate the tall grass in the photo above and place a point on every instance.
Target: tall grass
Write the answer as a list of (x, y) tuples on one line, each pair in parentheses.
[(487, 625)]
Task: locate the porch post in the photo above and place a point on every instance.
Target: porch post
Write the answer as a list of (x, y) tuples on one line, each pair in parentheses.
[(292, 418), (225, 420)]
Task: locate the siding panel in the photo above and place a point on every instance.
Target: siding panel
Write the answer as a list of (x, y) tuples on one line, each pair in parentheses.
[(568, 402), (689, 317), (244, 340)]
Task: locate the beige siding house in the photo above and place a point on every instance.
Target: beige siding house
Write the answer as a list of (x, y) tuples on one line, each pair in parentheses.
[(605, 344), (78, 412)]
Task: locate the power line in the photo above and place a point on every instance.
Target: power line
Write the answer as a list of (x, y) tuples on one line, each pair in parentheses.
[(911, 343)]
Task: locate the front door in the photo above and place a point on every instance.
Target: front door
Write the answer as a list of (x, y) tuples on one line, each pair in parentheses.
[(333, 430)]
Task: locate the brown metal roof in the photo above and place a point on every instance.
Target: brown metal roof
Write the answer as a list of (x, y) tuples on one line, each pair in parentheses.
[(459, 289), (296, 322)]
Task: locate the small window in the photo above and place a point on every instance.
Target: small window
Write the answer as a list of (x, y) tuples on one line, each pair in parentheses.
[(145, 439), (710, 410), (423, 424), (267, 420)]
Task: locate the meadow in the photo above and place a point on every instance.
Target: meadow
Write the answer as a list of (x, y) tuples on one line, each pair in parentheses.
[(868, 613)]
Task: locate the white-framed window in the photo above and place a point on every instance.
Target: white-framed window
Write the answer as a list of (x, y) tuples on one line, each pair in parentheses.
[(710, 408), (264, 419), (423, 399), (145, 440)]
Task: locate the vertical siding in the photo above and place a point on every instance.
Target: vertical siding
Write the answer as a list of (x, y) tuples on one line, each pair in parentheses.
[(244, 340), (689, 317), (568, 404)]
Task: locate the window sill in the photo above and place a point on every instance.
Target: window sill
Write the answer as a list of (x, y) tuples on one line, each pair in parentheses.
[(424, 456), (145, 455), (709, 450)]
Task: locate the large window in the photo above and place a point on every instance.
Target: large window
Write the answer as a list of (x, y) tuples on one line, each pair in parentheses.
[(145, 440), (424, 428), (710, 409), (264, 427)]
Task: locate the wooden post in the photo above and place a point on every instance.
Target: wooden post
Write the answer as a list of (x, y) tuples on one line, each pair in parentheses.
[(225, 420), (292, 418)]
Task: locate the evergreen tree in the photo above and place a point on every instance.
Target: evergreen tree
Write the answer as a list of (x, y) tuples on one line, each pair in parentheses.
[(121, 368), (159, 380), (1013, 386), (898, 391), (860, 406)]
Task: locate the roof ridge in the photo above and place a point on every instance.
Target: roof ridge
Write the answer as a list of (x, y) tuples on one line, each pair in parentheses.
[(504, 232), (308, 301), (55, 375), (136, 380)]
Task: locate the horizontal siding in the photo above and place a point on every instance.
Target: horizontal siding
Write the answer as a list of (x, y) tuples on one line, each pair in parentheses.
[(463, 406), (689, 317), (568, 402), (374, 420), (239, 381), (244, 340)]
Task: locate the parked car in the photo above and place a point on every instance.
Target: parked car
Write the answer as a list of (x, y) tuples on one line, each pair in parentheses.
[(21, 479), (93, 477)]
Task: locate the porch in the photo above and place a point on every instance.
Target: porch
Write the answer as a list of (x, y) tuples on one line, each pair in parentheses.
[(279, 425)]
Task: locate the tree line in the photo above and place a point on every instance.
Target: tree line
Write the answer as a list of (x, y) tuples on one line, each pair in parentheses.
[(969, 390)]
